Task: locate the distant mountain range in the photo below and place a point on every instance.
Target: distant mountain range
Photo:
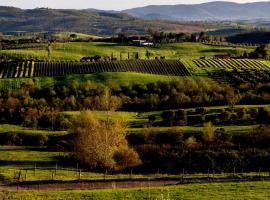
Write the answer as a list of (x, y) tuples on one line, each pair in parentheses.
[(133, 21), (219, 10), (91, 21)]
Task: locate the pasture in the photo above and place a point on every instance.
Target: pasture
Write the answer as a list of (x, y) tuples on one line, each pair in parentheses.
[(42, 159), (224, 191), (77, 50)]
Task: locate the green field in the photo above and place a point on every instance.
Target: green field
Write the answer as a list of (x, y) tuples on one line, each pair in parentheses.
[(222, 191), (107, 79), (76, 50), (8, 128)]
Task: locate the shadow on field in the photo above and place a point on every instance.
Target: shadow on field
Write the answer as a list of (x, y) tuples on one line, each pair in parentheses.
[(28, 163), (112, 45), (213, 50)]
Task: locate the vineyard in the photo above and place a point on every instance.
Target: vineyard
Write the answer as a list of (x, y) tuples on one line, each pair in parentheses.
[(231, 64), (46, 69), (237, 77)]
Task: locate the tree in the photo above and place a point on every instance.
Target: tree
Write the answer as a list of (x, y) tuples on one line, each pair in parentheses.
[(136, 55), (232, 98), (102, 143), (73, 36), (168, 117), (208, 132), (263, 51), (191, 143), (48, 48), (106, 101), (263, 116), (148, 54)]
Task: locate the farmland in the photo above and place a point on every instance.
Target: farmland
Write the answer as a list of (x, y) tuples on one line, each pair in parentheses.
[(231, 64), (167, 105), (104, 103), (44, 69), (175, 54), (76, 50)]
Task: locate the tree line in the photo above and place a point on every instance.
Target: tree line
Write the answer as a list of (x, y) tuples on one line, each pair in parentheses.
[(34, 106)]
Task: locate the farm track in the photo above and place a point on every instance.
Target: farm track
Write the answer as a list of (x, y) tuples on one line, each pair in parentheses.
[(46, 69), (117, 184), (88, 185)]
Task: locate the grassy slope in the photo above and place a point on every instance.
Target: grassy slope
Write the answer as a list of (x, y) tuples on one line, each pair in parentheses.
[(64, 35), (25, 159), (75, 51), (108, 78), (137, 120), (222, 191), (4, 128)]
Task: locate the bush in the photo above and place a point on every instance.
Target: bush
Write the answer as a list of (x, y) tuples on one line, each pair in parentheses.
[(264, 116), (126, 158), (45, 121), (201, 110), (152, 119), (196, 119), (24, 139), (168, 117), (222, 137), (172, 137), (180, 117)]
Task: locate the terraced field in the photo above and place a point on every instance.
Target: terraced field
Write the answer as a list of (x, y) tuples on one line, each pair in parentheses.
[(45, 69)]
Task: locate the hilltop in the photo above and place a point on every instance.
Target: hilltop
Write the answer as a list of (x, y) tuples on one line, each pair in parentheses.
[(90, 21), (219, 10)]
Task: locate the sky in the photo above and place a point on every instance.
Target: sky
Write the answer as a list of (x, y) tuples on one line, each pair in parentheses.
[(99, 4)]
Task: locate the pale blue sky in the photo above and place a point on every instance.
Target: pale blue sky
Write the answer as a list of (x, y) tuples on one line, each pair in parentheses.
[(99, 4)]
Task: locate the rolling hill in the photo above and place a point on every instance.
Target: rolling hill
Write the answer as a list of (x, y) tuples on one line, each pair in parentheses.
[(218, 10), (90, 21)]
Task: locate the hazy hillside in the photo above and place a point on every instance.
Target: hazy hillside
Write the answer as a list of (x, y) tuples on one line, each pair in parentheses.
[(207, 11), (89, 21)]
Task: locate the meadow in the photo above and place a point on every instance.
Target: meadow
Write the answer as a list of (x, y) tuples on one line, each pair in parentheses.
[(77, 50), (224, 191)]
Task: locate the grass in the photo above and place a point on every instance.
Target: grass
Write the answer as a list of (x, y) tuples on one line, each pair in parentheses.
[(107, 79), (122, 78), (77, 50), (233, 129), (9, 128), (38, 164), (205, 191), (66, 35)]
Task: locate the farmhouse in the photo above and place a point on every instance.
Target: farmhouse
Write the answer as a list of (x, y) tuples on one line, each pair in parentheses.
[(141, 43)]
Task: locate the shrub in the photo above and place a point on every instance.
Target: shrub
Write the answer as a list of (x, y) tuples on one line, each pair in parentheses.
[(208, 132), (180, 117), (264, 116), (168, 117), (126, 157), (201, 110), (172, 137), (191, 143)]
